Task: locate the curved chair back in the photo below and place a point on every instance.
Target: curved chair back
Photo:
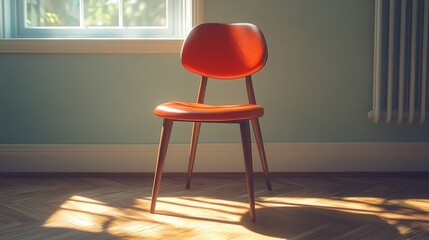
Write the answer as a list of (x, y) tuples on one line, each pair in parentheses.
[(224, 51)]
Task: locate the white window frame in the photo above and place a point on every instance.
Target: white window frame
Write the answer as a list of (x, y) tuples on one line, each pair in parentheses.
[(99, 45)]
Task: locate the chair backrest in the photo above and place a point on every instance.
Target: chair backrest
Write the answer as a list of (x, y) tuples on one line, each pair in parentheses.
[(224, 51)]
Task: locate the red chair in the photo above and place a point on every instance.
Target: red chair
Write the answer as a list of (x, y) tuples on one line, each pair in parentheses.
[(224, 52)]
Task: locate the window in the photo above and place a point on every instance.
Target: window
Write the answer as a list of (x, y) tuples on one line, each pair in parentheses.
[(96, 25)]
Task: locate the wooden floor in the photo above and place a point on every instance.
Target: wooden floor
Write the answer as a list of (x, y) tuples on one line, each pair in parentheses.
[(214, 208)]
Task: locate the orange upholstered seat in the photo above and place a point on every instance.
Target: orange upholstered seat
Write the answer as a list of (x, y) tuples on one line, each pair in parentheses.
[(187, 111)]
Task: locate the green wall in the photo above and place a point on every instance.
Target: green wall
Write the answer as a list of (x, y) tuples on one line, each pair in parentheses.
[(316, 86)]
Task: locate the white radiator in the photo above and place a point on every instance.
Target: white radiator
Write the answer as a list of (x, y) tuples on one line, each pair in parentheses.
[(401, 61)]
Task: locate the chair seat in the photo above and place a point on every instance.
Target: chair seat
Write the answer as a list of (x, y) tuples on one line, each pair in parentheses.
[(198, 112)]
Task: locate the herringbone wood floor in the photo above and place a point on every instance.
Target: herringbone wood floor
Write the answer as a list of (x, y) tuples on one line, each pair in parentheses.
[(214, 208)]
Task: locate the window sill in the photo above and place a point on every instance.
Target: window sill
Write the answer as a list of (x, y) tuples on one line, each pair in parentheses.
[(90, 45)]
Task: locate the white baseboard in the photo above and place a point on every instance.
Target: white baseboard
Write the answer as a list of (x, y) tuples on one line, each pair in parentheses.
[(282, 157)]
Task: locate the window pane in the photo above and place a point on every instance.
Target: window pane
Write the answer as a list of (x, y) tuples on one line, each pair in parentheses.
[(101, 12), (135, 19), (145, 12), (43, 13)]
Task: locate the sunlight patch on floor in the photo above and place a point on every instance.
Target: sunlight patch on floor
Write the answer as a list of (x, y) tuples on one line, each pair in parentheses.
[(83, 214), (189, 215)]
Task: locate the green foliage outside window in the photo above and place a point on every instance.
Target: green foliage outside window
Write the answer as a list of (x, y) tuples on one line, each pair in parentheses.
[(67, 13)]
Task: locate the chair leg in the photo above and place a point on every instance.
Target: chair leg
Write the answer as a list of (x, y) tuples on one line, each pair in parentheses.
[(247, 151), (261, 149), (162, 152), (193, 150)]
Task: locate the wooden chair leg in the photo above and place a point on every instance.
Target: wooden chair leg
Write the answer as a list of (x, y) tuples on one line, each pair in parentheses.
[(261, 150), (162, 152), (193, 151), (247, 151)]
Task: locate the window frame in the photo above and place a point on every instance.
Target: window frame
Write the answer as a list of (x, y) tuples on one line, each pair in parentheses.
[(96, 45)]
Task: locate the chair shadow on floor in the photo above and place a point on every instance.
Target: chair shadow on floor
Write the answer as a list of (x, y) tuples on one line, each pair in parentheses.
[(318, 223), (305, 218), (288, 222)]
